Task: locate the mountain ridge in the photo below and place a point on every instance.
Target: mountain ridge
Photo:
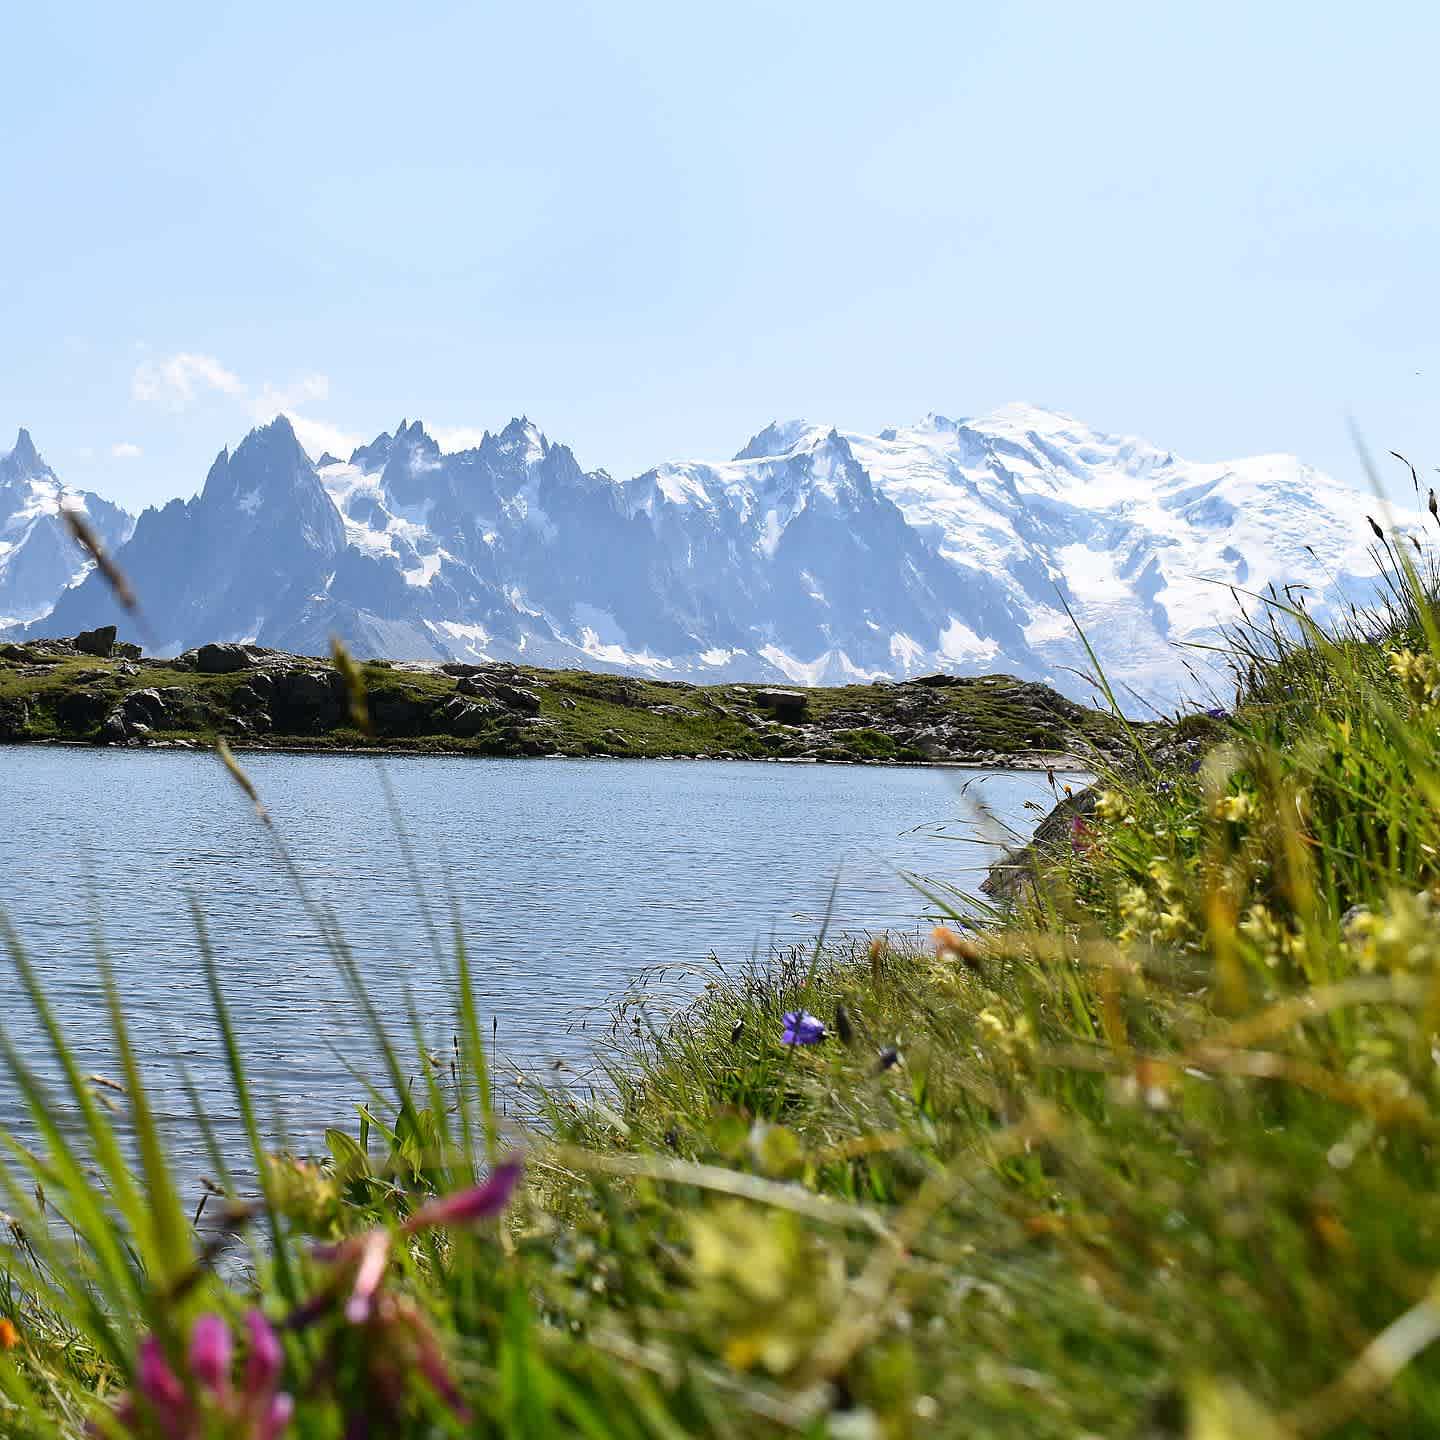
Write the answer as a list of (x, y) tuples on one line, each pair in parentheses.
[(37, 557), (815, 555)]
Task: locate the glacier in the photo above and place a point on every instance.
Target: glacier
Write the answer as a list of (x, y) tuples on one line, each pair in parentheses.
[(814, 556)]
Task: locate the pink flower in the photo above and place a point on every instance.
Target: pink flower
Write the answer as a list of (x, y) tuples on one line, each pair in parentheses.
[(210, 1353), (481, 1202), (373, 1251), (161, 1406)]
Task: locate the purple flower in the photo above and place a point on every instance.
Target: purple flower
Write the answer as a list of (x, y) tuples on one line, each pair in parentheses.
[(481, 1202), (802, 1028), (266, 1358), (162, 1406), (161, 1393), (210, 1353), (1216, 714)]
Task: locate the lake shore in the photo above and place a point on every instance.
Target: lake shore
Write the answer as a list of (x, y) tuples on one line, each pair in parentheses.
[(64, 692)]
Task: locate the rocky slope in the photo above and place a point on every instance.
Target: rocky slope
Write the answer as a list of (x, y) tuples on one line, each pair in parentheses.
[(815, 556), (91, 689), (38, 559)]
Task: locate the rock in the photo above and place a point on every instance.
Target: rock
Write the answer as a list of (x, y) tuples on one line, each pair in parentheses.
[(99, 642), (307, 700), (513, 697), (114, 730), (222, 659), (143, 707), (14, 718), (465, 718), (399, 714), (124, 650), (517, 699), (787, 705), (184, 709), (80, 712), (306, 689)]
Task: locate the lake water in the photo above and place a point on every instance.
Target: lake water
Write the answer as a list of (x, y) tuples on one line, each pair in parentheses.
[(568, 877)]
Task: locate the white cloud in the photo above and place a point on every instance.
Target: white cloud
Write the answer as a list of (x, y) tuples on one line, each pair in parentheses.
[(318, 436), (178, 380), (456, 437), (281, 399), (124, 450), (175, 381)]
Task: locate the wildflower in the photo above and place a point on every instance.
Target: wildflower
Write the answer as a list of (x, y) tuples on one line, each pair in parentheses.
[(1080, 838), (950, 946), (1111, 805), (945, 940), (481, 1202), (161, 1405), (9, 1335), (802, 1028), (1234, 808)]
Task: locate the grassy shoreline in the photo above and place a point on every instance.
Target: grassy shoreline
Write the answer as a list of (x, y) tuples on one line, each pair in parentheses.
[(1147, 1149), (270, 700)]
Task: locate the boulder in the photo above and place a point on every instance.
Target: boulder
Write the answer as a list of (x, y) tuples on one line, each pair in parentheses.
[(114, 730), (465, 718), (183, 708), (80, 712), (513, 697), (222, 659), (399, 714), (516, 698), (307, 700), (788, 705), (14, 718), (124, 650), (99, 642), (143, 707)]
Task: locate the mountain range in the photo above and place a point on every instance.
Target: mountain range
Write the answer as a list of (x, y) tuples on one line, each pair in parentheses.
[(38, 558), (813, 556)]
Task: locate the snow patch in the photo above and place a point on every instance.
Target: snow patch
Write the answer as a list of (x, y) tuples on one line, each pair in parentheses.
[(960, 643)]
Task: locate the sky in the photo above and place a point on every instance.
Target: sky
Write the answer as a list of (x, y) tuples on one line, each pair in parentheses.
[(653, 228)]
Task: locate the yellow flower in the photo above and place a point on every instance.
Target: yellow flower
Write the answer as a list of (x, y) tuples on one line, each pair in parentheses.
[(1112, 806), (1235, 808)]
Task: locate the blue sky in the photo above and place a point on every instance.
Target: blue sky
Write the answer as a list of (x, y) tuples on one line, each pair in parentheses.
[(655, 227)]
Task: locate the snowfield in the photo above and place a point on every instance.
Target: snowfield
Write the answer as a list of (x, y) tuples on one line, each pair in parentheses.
[(814, 556)]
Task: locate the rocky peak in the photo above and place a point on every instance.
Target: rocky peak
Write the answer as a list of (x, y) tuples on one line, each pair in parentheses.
[(775, 439), (23, 462)]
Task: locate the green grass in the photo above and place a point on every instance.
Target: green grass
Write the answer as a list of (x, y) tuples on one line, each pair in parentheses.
[(583, 714), (1150, 1152)]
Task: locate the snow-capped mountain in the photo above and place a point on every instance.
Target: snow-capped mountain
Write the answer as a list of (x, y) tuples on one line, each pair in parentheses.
[(814, 556), (38, 558)]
